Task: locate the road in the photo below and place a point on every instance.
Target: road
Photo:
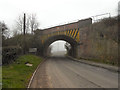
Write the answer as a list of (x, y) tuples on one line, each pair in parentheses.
[(61, 72)]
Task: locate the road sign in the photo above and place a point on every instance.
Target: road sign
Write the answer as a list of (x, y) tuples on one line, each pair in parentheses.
[(32, 50)]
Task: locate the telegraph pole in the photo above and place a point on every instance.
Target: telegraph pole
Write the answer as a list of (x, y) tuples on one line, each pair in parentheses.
[(24, 27)]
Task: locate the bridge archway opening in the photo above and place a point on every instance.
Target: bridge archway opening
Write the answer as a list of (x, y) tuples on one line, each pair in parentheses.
[(71, 41), (58, 48)]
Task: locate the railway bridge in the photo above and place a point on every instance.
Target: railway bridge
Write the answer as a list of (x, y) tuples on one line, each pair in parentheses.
[(68, 32)]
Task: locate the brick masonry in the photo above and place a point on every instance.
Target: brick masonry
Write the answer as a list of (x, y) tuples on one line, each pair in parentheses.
[(97, 41)]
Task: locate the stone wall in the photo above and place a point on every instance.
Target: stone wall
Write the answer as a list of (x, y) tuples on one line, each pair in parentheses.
[(99, 41)]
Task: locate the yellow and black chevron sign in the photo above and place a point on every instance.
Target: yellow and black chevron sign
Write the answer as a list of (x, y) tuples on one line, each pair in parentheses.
[(73, 33)]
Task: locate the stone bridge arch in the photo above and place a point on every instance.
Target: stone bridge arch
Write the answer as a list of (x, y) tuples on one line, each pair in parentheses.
[(68, 39)]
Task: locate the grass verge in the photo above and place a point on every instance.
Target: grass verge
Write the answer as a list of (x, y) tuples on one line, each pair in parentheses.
[(17, 74), (101, 61)]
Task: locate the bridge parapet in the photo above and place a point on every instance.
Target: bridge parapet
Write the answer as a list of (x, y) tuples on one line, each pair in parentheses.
[(74, 25)]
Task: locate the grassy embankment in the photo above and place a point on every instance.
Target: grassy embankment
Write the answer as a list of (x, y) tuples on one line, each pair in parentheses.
[(100, 61), (17, 74)]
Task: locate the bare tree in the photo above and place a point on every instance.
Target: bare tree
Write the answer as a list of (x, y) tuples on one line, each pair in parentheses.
[(19, 24), (31, 23), (67, 46), (4, 29), (27, 24)]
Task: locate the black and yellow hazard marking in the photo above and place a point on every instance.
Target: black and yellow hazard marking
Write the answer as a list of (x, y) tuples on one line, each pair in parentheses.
[(73, 33)]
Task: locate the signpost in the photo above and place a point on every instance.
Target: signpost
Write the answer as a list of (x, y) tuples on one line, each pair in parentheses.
[(33, 50)]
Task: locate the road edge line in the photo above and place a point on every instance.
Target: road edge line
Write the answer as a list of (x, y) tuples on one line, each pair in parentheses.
[(31, 79)]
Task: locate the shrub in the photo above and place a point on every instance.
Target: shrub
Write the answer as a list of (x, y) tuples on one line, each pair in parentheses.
[(110, 21), (10, 53)]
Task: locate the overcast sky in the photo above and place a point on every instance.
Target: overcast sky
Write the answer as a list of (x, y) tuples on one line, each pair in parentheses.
[(55, 12)]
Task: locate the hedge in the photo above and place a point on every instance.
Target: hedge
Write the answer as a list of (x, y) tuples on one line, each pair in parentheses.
[(10, 53)]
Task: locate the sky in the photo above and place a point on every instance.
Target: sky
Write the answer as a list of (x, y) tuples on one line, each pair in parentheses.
[(55, 12)]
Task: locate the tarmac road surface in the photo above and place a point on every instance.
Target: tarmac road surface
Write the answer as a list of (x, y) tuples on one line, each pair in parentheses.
[(61, 72)]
